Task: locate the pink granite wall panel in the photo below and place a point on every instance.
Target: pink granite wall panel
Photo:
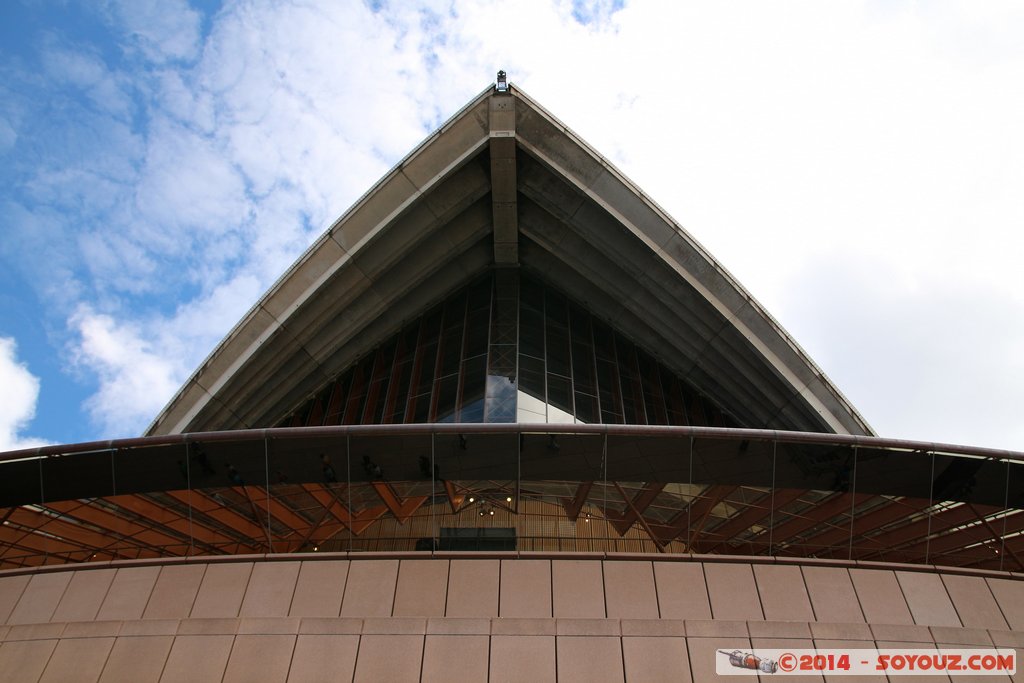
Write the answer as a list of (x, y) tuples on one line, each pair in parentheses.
[(11, 588), (832, 594), (319, 589), (137, 659), (522, 658), (40, 598), (783, 594), (23, 661), (370, 589), (389, 658), (577, 589), (974, 602), (656, 659), (220, 594), (77, 659), (422, 588), (733, 592), (927, 598), (582, 659), (84, 595), (1009, 596), (473, 588), (880, 596), (525, 588), (175, 591), (629, 590), (319, 658), (197, 658), (682, 592), (263, 658), (442, 654), (128, 594), (270, 589)]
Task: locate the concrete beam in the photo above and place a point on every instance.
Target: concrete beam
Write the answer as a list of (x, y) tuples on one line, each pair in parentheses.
[(503, 179)]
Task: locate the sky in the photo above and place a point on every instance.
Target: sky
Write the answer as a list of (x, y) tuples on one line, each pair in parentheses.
[(857, 166)]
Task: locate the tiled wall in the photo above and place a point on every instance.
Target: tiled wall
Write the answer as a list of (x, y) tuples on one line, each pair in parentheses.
[(497, 619)]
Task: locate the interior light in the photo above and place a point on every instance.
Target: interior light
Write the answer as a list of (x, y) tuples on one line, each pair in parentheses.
[(472, 499), (508, 499), (492, 512), (316, 548)]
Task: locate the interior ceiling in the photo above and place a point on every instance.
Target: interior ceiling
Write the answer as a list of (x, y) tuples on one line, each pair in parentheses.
[(436, 221)]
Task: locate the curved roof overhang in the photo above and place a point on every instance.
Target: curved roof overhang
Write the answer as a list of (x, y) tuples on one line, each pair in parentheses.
[(505, 184)]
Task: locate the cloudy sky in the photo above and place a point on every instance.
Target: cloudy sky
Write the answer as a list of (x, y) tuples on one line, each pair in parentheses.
[(858, 166)]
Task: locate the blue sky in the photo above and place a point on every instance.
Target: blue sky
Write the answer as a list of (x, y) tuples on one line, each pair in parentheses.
[(857, 165)]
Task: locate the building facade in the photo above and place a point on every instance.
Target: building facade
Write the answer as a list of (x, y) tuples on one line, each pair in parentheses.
[(504, 418)]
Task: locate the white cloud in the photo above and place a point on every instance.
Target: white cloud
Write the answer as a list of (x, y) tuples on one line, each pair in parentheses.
[(136, 376), (17, 400), (161, 29), (141, 361), (87, 71)]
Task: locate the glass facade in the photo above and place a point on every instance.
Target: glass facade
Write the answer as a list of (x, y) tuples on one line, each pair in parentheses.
[(508, 348)]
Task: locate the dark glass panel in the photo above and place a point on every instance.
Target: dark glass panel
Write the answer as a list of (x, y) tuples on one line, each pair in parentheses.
[(561, 457), (586, 408), (501, 399), (531, 376), (308, 460), (357, 391), (654, 399), (604, 340), (82, 475), (228, 463), (480, 294), (450, 352), (648, 458), (474, 383), (375, 393), (336, 408), (629, 380), (19, 483), (583, 367), (422, 384), (531, 332), (673, 398), (558, 350), (896, 473), (695, 409), (398, 389), (557, 334), (967, 489), (476, 333), (560, 393), (476, 457), (822, 467), (447, 390), (383, 458), (733, 462), (154, 468)]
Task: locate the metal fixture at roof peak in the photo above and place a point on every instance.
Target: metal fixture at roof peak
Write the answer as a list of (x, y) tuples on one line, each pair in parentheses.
[(502, 84)]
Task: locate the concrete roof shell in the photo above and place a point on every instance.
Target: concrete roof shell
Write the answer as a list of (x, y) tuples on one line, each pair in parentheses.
[(504, 182)]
